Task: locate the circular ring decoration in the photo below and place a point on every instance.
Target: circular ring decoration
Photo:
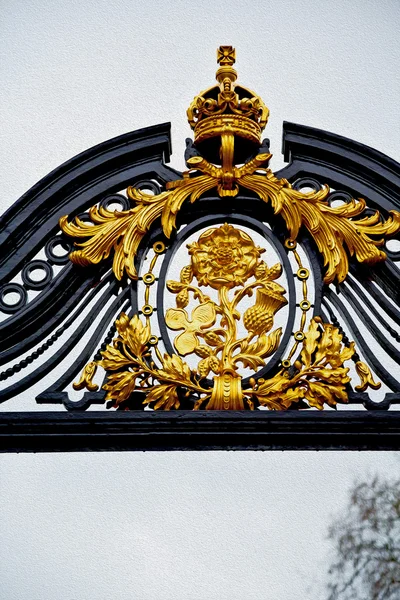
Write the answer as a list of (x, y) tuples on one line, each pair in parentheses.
[(115, 199), (12, 288), (299, 336), (393, 254), (147, 310), (52, 244), (286, 363), (159, 247), (146, 185), (339, 197), (148, 278), (305, 305), (153, 340), (36, 265), (303, 273), (305, 182), (290, 244)]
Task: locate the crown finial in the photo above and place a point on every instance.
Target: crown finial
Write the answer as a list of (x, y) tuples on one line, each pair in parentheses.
[(227, 111), (226, 56)]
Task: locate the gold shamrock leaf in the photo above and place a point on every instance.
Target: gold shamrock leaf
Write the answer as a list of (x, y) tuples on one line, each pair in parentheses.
[(203, 317)]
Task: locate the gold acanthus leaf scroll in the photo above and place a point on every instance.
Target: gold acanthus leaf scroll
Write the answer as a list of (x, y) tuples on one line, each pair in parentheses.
[(122, 231), (336, 231)]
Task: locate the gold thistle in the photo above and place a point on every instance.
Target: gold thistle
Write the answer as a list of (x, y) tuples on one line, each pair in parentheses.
[(318, 376)]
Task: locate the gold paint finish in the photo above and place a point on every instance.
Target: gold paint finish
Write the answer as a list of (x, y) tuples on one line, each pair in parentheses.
[(222, 259)]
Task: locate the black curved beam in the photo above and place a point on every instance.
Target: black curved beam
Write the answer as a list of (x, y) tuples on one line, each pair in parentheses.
[(78, 184), (45, 368), (110, 167), (342, 163), (30, 326), (370, 357)]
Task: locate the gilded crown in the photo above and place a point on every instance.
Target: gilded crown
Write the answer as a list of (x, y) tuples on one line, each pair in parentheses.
[(227, 107)]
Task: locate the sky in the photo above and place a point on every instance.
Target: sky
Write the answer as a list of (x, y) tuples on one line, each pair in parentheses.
[(180, 526)]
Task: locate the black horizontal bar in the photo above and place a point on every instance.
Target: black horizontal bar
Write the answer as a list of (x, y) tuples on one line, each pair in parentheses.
[(181, 430)]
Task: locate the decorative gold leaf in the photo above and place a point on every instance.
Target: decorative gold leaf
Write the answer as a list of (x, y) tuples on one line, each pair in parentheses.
[(278, 393), (317, 394), (347, 353), (175, 286), (249, 360), (310, 343), (266, 344), (133, 333), (204, 315), (113, 359), (122, 231), (329, 345), (164, 396), (186, 275), (335, 376), (174, 366), (186, 342), (331, 228), (366, 378), (263, 273), (86, 379), (120, 386), (176, 318)]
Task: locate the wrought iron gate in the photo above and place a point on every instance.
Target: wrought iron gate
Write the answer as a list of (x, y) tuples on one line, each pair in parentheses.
[(288, 301)]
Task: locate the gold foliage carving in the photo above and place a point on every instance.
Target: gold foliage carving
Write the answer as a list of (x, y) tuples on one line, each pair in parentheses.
[(227, 260), (335, 230), (121, 232), (130, 368), (320, 375)]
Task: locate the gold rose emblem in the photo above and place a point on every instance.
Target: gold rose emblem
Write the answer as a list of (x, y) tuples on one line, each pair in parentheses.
[(224, 256)]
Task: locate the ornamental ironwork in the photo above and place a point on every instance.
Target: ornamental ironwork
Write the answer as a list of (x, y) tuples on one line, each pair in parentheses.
[(224, 288)]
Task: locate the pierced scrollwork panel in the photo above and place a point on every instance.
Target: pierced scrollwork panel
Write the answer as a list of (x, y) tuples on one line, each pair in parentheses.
[(226, 287)]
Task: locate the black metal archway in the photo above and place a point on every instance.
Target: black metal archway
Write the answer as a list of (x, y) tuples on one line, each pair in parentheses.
[(33, 325)]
